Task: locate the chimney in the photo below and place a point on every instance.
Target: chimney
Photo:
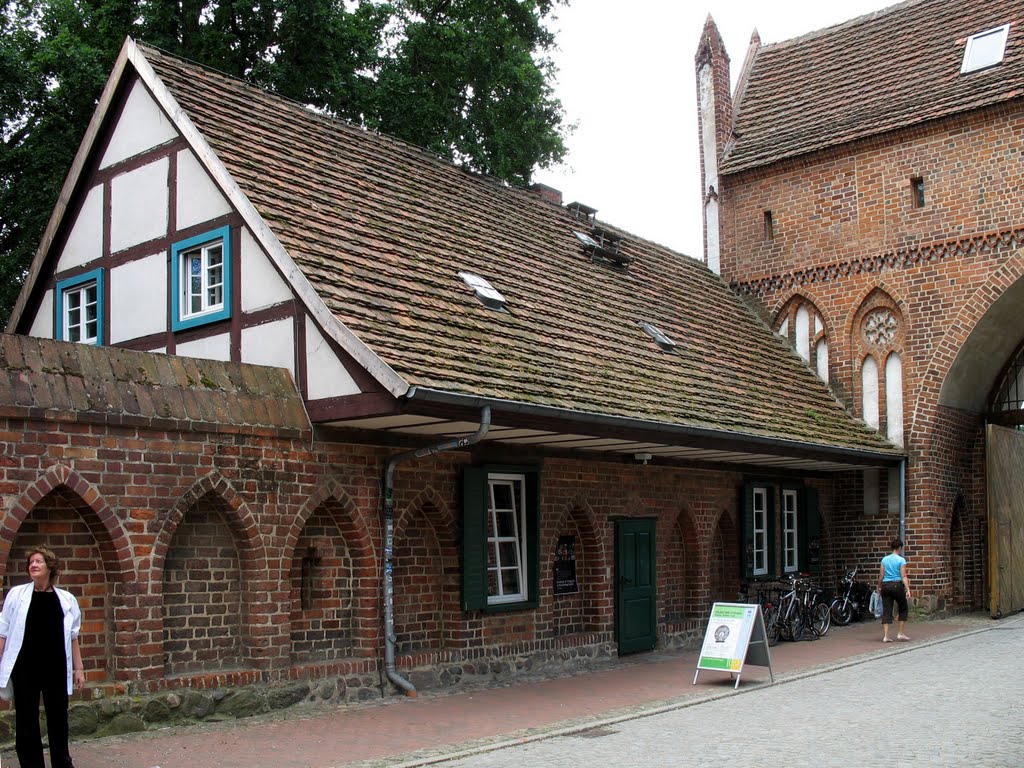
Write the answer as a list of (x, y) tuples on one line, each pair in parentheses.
[(550, 194)]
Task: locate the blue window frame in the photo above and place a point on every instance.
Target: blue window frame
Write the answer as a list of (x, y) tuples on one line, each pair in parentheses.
[(201, 279), (80, 308)]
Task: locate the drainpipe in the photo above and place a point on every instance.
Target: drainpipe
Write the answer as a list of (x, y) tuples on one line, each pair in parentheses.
[(903, 500), (389, 540)]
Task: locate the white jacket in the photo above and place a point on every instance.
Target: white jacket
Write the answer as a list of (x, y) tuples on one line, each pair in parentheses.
[(12, 627)]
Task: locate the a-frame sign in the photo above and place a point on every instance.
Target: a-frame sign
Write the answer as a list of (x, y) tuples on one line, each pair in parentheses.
[(734, 637)]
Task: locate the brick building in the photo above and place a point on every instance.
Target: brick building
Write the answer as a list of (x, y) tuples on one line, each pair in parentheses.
[(312, 412), (864, 186)]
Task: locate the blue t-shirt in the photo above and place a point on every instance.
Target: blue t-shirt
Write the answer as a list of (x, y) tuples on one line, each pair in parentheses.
[(892, 564)]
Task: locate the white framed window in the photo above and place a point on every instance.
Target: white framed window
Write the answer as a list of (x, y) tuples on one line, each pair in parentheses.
[(985, 49), (201, 279), (760, 524), (790, 535), (506, 538), (80, 308)]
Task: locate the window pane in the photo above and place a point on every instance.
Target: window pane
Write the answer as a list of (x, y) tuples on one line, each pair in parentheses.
[(502, 495), (510, 581), (492, 583), (509, 554), (506, 524)]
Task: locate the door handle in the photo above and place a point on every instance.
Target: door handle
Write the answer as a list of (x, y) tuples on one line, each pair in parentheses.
[(625, 581)]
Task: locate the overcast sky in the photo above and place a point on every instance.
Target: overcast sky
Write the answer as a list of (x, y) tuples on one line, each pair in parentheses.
[(626, 78)]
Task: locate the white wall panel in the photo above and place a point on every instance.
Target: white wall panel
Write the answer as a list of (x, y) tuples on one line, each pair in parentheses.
[(139, 205), (326, 376), (213, 348), (138, 298), (143, 126), (198, 198), (85, 242), (42, 323), (270, 344), (262, 286)]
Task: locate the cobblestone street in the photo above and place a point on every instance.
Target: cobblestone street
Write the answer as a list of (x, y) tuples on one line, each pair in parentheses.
[(952, 703)]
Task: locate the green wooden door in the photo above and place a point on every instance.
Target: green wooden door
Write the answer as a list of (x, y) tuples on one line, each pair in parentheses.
[(635, 614)]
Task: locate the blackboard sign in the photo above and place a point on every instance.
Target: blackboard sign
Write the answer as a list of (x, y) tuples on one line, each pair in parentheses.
[(565, 566)]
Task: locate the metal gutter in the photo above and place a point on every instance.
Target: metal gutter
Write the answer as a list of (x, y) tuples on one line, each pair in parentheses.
[(778, 446), (390, 668)]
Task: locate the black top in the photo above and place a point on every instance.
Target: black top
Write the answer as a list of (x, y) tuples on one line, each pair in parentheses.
[(42, 649)]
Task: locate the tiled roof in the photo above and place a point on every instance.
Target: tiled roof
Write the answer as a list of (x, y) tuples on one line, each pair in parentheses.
[(888, 70), (382, 229), (139, 387)]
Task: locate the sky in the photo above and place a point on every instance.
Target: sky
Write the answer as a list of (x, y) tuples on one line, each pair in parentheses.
[(626, 78)]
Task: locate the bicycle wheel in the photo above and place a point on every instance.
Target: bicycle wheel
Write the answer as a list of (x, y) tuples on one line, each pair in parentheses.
[(771, 624), (795, 624), (842, 612), (821, 619)]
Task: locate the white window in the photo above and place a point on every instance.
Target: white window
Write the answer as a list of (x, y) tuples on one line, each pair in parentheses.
[(985, 49), (869, 391), (760, 531), (506, 538), (894, 398), (790, 539), (201, 279), (79, 308)]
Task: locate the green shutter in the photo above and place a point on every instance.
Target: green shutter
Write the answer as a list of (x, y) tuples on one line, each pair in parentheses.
[(533, 539), (771, 493), (810, 532), (474, 539)]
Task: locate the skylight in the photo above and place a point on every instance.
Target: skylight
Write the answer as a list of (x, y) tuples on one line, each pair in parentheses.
[(655, 333), (985, 49), (484, 291)]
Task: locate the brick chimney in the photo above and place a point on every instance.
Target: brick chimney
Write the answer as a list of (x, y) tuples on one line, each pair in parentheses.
[(550, 194)]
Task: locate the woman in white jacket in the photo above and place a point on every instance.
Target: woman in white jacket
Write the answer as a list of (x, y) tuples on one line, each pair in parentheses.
[(39, 654)]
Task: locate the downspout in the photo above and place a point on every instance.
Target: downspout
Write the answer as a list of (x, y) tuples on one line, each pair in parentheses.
[(390, 667), (903, 500)]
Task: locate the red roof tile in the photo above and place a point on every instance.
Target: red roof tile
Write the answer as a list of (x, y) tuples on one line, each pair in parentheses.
[(888, 70), (381, 230)]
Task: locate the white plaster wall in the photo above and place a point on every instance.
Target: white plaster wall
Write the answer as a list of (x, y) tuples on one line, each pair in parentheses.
[(270, 344), (326, 376), (803, 333), (42, 323), (139, 205), (821, 357), (262, 286), (709, 152), (198, 198), (213, 348), (894, 490), (894, 398), (85, 242), (143, 126), (869, 391), (138, 298)]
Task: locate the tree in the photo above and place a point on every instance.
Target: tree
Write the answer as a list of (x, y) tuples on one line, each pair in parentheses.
[(470, 80)]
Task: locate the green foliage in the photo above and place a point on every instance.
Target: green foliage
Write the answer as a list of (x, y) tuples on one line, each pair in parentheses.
[(468, 79)]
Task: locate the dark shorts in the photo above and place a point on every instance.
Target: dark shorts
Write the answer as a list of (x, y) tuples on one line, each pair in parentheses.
[(894, 592)]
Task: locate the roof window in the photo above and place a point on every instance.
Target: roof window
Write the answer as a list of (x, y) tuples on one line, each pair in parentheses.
[(484, 291), (655, 333), (985, 49)]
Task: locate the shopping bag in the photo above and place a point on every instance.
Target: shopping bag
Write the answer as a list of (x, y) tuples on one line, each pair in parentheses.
[(875, 606)]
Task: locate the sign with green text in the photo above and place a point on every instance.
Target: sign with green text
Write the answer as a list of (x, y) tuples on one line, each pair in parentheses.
[(734, 636)]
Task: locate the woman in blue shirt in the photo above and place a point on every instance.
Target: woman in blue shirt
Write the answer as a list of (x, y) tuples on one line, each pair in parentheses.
[(895, 588)]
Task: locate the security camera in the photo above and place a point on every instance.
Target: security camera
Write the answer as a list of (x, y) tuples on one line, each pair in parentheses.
[(643, 458)]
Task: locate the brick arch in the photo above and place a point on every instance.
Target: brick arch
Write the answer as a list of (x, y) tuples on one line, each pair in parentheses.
[(115, 549), (881, 288), (364, 572), (240, 520), (426, 568), (784, 301), (581, 612), (684, 581), (360, 526), (723, 535), (956, 353)]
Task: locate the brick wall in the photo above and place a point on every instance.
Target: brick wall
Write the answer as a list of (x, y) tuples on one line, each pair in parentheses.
[(205, 559), (848, 239)]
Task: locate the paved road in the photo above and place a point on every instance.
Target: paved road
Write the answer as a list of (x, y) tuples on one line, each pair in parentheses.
[(955, 703)]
